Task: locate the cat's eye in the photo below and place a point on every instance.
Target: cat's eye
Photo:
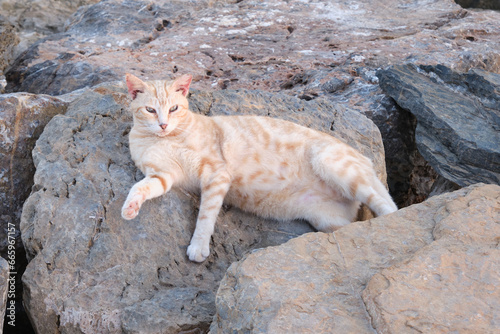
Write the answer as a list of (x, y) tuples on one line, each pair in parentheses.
[(150, 110), (174, 108)]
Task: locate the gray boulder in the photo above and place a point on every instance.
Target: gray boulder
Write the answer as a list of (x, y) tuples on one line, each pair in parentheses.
[(22, 119), (458, 118), (92, 271), (22, 23), (430, 268), (41, 16)]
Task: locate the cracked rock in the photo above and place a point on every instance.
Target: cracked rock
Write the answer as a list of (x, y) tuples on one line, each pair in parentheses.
[(22, 120), (429, 268), (458, 118)]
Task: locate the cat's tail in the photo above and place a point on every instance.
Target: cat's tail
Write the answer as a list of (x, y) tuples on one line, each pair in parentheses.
[(348, 171)]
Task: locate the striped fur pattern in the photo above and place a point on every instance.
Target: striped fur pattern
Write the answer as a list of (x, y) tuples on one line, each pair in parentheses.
[(266, 166)]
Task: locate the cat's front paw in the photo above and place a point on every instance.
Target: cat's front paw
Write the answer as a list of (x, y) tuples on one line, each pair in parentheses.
[(130, 210), (198, 250), (131, 207)]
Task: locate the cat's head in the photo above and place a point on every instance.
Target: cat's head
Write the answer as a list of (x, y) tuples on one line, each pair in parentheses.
[(158, 106)]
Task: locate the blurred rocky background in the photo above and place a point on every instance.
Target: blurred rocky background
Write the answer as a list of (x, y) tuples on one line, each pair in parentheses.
[(419, 80)]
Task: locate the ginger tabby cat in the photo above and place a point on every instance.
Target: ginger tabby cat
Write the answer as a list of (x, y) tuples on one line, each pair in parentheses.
[(270, 167)]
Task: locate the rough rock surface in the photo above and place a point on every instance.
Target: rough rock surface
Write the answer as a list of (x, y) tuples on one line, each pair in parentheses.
[(430, 268), (92, 271), (36, 19), (23, 117), (8, 41), (4, 288), (460, 139), (42, 16), (255, 44), (451, 285)]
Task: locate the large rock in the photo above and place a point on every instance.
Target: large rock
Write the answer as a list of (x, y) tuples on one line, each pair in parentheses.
[(23, 117), (451, 285), (42, 16), (460, 139), (92, 271), (429, 268)]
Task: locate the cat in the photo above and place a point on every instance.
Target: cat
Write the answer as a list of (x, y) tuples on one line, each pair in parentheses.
[(270, 167)]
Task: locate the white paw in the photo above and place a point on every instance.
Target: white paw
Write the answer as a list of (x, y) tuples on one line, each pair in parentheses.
[(131, 207), (198, 250), (387, 209)]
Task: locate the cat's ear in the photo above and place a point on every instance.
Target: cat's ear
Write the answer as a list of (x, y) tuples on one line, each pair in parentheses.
[(134, 85), (182, 84)]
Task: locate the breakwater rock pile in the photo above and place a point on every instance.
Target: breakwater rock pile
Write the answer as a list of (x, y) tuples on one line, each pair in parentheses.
[(413, 85)]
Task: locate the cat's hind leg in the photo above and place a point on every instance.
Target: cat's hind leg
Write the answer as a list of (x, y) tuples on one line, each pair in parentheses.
[(351, 173), (381, 202), (329, 216)]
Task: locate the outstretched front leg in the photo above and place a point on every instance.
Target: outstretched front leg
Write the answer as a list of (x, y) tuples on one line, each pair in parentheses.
[(213, 191), (153, 185)]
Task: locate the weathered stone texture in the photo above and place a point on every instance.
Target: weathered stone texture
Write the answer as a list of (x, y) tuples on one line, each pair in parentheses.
[(42, 16), (22, 23), (8, 41), (174, 36), (92, 271), (432, 268), (22, 120), (309, 47), (460, 139), (451, 285)]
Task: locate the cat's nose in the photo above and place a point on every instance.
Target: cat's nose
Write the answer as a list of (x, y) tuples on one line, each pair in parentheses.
[(163, 126)]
